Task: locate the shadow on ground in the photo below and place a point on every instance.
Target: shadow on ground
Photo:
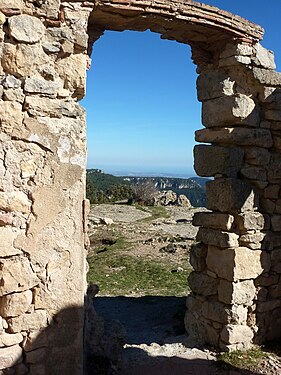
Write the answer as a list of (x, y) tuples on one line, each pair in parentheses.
[(155, 333)]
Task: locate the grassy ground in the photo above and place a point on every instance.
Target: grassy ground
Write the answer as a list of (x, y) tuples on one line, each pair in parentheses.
[(117, 272), (155, 211)]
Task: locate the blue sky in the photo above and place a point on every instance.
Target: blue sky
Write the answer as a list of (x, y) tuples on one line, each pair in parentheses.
[(141, 101)]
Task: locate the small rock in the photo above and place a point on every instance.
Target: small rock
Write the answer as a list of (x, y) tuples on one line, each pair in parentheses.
[(106, 221)]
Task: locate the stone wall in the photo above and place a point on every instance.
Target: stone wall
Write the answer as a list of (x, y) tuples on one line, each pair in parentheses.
[(42, 187), (237, 261), (44, 47)]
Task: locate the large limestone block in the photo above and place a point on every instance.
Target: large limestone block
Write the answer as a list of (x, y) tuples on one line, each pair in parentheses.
[(203, 284), (37, 85), (72, 70), (16, 275), (10, 356), (40, 107), (8, 236), (251, 221), (10, 339), (238, 49), (230, 110), (263, 57), (254, 173), (11, 116), (217, 238), (268, 77), (236, 136), (15, 304), (29, 322), (214, 84), (26, 29), (240, 293), (12, 4), (274, 171), (23, 60), (230, 195), (221, 313), (241, 263), (257, 156), (212, 160), (232, 334), (198, 253), (213, 220), (16, 201)]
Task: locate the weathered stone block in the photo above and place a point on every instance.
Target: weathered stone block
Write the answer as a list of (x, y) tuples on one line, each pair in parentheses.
[(234, 60), (274, 170), (36, 85), (230, 195), (214, 84), (251, 221), (236, 50), (252, 240), (11, 82), (8, 236), (276, 223), (263, 57), (16, 275), (217, 238), (273, 115), (212, 160), (29, 322), (10, 356), (233, 110), (236, 136), (267, 280), (221, 313), (6, 219), (25, 28), (275, 291), (10, 339), (268, 306), (213, 220), (254, 173), (23, 60), (198, 253), (237, 264), (75, 81), (11, 116), (203, 284), (15, 304), (16, 95), (16, 201), (268, 77), (233, 334), (241, 293), (257, 156)]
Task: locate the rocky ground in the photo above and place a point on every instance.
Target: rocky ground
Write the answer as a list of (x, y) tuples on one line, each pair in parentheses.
[(155, 341)]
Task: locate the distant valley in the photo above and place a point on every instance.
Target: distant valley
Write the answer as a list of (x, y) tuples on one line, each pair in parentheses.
[(103, 187)]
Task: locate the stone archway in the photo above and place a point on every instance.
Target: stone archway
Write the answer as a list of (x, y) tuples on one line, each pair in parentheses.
[(44, 51)]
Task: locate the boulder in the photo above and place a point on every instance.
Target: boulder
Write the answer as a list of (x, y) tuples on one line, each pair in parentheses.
[(165, 198)]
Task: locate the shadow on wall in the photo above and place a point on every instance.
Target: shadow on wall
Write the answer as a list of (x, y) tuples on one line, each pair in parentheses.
[(54, 351)]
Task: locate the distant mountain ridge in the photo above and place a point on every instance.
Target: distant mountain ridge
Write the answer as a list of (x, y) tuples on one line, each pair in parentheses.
[(105, 187)]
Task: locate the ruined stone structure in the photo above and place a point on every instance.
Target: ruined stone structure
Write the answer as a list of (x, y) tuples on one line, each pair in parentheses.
[(44, 52)]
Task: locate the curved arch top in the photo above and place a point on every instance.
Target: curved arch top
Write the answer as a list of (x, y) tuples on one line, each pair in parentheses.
[(184, 21)]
